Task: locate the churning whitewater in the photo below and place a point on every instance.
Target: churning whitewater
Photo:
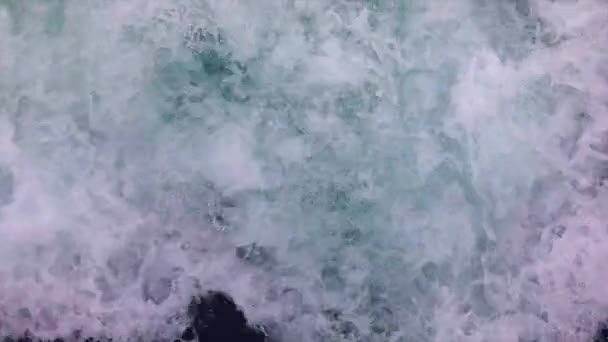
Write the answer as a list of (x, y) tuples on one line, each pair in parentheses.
[(346, 170)]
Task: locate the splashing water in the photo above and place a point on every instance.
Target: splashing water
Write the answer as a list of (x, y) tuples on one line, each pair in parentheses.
[(350, 170)]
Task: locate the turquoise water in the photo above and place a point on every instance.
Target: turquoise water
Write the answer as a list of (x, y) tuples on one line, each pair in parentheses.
[(430, 170)]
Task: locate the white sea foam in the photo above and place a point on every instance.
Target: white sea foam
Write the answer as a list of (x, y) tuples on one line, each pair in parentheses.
[(433, 170)]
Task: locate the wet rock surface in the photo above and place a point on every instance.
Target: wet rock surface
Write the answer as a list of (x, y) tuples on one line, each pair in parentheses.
[(602, 333), (213, 317)]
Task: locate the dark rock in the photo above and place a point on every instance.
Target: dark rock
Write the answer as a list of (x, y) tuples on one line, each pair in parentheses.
[(215, 317), (188, 334), (602, 333)]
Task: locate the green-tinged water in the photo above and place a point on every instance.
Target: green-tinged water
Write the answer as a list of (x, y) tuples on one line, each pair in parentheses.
[(348, 170)]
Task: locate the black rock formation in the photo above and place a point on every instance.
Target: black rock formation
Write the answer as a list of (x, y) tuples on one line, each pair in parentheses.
[(214, 317), (602, 333)]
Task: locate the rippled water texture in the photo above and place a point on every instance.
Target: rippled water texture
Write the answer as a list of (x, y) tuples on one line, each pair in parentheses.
[(348, 170)]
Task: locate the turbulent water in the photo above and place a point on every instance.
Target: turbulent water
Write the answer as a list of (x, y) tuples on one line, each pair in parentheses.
[(348, 170)]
